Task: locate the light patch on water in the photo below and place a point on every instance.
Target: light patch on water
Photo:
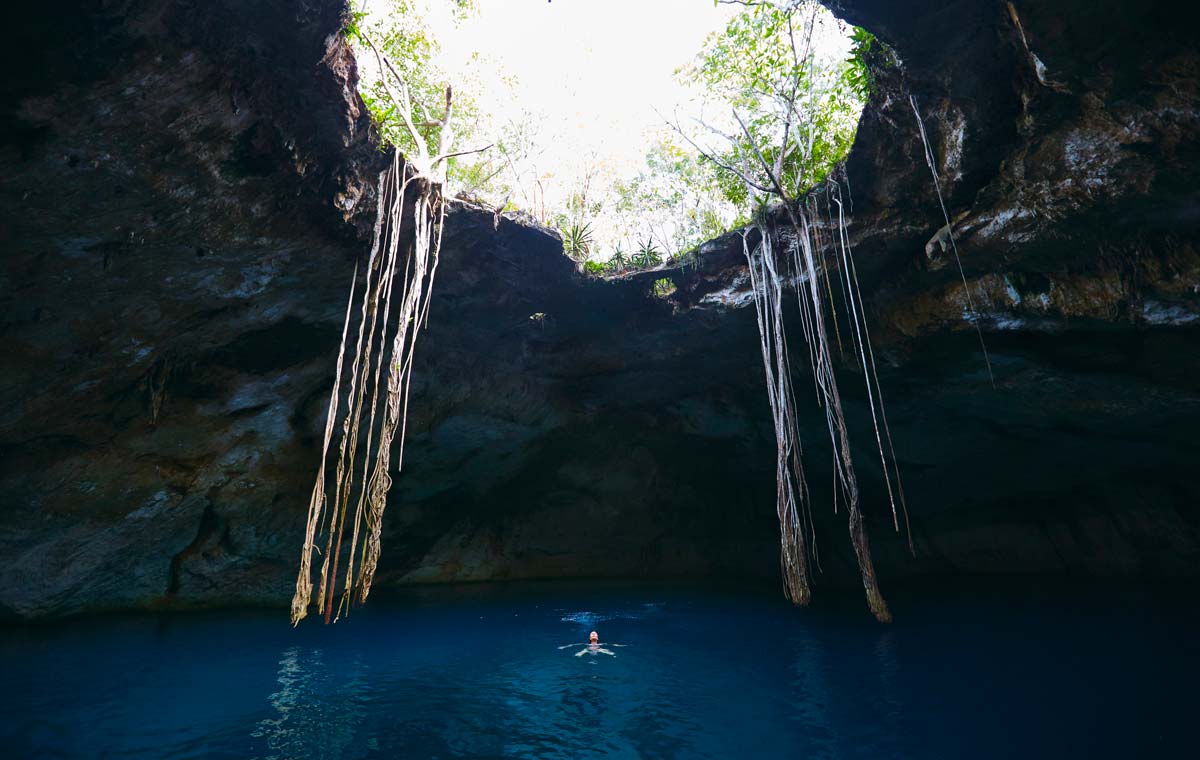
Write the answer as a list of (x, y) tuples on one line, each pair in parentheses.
[(1006, 322), (317, 711), (585, 618), (1009, 322), (589, 618)]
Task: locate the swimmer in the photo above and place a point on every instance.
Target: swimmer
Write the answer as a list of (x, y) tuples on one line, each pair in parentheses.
[(593, 646)]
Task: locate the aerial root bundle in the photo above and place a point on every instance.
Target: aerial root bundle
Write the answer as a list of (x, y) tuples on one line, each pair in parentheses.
[(381, 363), (791, 497), (808, 268)]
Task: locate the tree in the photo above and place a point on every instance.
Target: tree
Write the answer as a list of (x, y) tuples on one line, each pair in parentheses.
[(413, 115), (672, 199), (373, 289), (789, 113), (791, 118)]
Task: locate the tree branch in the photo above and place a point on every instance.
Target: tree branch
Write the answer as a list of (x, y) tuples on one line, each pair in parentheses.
[(740, 175), (444, 156), (778, 186), (404, 103)]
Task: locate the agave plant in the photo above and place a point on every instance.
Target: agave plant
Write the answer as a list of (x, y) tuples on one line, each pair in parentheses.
[(618, 261), (647, 255), (577, 240)]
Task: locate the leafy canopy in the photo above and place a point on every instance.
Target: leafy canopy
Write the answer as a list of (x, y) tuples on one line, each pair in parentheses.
[(782, 85), (780, 111)]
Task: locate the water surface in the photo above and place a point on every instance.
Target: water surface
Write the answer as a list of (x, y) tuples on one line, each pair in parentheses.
[(477, 672)]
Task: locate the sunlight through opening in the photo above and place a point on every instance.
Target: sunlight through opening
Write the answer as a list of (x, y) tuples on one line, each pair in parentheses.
[(598, 114)]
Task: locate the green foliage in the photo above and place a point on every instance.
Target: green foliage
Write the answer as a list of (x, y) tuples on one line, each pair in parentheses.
[(672, 199), (493, 173), (685, 259), (679, 198), (464, 8), (618, 261), (857, 73), (403, 35), (795, 112), (662, 287), (577, 240), (647, 255), (593, 268), (353, 30)]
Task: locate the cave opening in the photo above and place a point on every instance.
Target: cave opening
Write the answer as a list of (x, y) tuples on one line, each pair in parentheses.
[(618, 125), (189, 188), (773, 100)]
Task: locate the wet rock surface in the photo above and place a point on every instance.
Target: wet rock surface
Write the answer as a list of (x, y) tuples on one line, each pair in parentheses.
[(188, 185)]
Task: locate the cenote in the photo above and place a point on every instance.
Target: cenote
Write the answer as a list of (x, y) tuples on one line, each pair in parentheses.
[(479, 671), (837, 363)]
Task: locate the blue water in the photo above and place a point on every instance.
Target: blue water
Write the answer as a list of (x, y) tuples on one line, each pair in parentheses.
[(477, 672)]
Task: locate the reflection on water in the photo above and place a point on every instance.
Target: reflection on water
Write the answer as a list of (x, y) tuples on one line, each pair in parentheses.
[(317, 710), (588, 619), (811, 699), (702, 675), (888, 707)]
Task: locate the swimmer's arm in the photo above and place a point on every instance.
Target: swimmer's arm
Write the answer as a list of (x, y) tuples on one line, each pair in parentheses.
[(605, 651), (568, 646), (581, 652)]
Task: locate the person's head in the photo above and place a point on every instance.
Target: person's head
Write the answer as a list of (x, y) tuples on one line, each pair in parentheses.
[(593, 638)]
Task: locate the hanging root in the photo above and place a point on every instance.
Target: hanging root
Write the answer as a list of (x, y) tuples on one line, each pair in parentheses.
[(792, 503), (790, 490), (866, 354), (390, 346), (414, 313), (380, 348), (937, 186)]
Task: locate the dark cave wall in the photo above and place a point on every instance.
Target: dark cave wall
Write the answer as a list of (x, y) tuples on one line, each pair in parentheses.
[(1066, 138), (175, 247), (188, 186)]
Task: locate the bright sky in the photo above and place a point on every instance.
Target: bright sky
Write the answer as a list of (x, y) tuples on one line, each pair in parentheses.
[(598, 67), (592, 71)]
